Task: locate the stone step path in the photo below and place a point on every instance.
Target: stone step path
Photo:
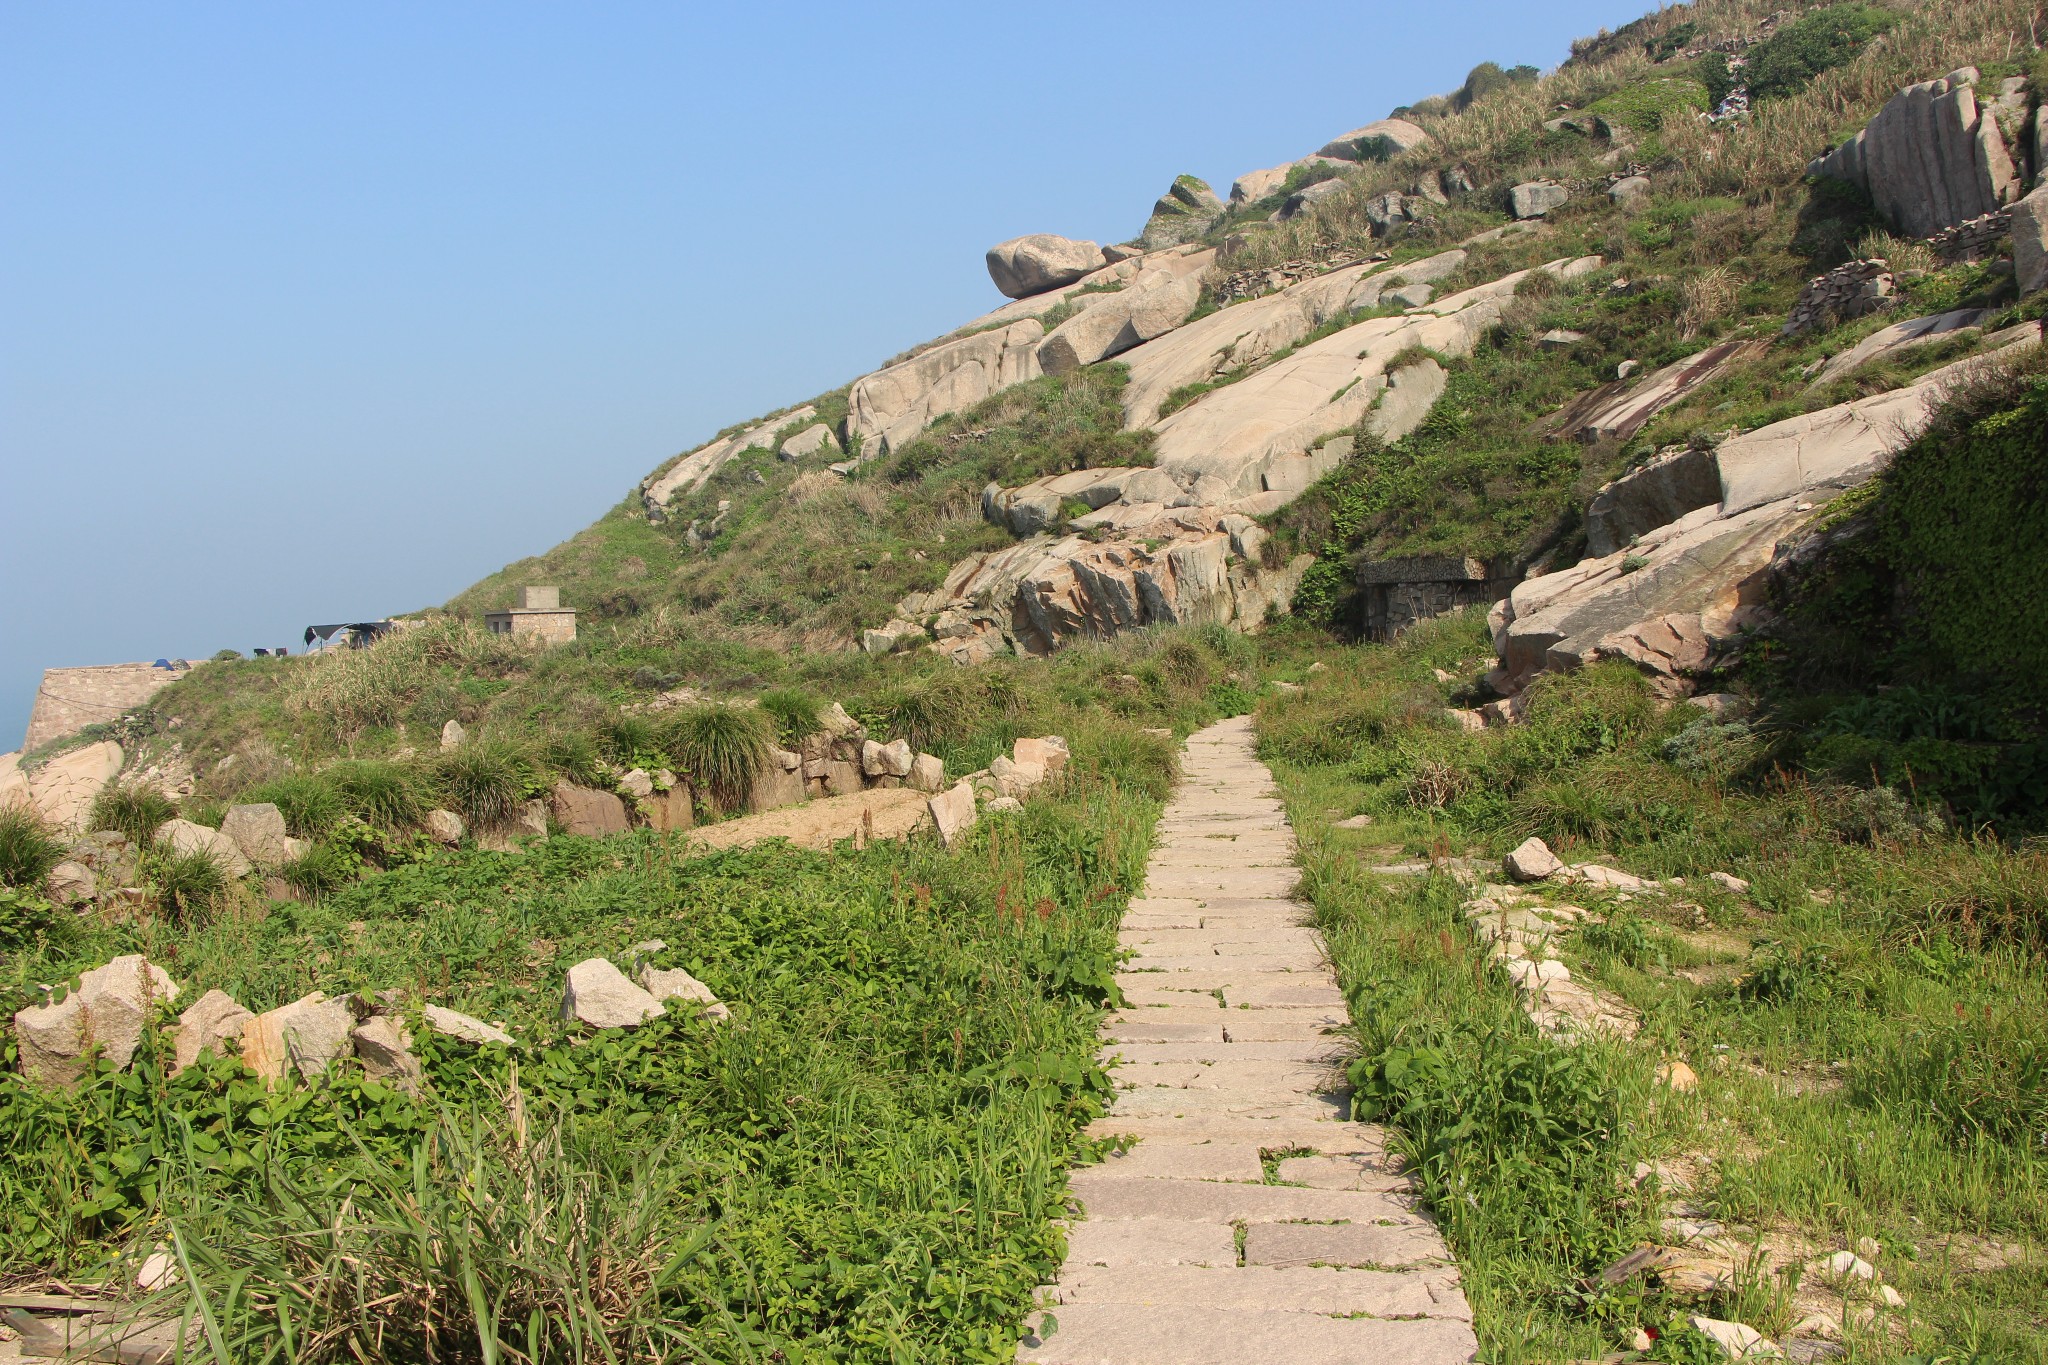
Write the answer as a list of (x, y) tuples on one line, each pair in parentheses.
[(1251, 1221)]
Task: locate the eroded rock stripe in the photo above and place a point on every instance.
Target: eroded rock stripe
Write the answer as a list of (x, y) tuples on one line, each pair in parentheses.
[(1250, 1220)]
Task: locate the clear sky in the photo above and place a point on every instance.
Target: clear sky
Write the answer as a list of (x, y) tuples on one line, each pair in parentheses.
[(322, 312)]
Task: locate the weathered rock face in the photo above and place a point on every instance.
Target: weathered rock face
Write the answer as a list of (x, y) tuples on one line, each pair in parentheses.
[(455, 1024), (695, 469), (2030, 237), (674, 983), (1171, 567), (1248, 333), (307, 1035), (259, 832), (444, 827), (1657, 494), (809, 442), (1930, 159), (1308, 196), (598, 994), (186, 838), (1535, 198), (1131, 317), (1032, 264), (1253, 186), (585, 811), (1376, 141), (384, 1047), (1901, 336), (1617, 411), (1036, 506), (892, 407), (62, 790), (779, 783), (212, 1021), (1183, 213), (953, 812), (1667, 600), (104, 1015)]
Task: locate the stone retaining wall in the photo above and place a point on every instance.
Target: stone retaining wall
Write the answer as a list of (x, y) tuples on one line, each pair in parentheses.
[(1847, 291), (72, 698), (1974, 240)]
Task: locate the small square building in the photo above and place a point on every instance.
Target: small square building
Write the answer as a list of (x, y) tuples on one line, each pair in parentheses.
[(540, 614)]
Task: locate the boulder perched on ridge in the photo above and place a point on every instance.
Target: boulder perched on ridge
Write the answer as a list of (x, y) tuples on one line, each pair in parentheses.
[(1039, 261), (1376, 141)]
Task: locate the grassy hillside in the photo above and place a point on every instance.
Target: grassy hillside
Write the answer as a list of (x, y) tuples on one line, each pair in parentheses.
[(864, 1164)]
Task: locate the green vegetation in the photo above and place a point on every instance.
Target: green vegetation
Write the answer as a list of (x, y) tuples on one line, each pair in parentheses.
[(1879, 991), (862, 1165), (28, 849), (1646, 107), (1819, 40), (720, 748), (133, 809)]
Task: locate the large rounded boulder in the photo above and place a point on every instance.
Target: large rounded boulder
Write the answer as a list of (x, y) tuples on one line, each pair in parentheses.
[(1024, 266)]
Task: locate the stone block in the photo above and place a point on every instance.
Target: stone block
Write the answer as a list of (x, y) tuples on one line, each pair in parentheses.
[(305, 1035), (213, 1019), (953, 812), (105, 1014), (585, 811), (598, 993), (258, 830)]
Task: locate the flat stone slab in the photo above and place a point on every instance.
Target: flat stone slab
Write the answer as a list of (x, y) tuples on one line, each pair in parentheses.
[(1288, 939), (1368, 1244), (1169, 1101), (1095, 1333), (1333, 1050), (1151, 1242), (1331, 1135), (1294, 1289), (1180, 1161), (1343, 1173), (1111, 1198), (1247, 1074), (1256, 962)]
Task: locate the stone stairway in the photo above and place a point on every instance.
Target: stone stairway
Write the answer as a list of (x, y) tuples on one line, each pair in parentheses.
[(1250, 1221)]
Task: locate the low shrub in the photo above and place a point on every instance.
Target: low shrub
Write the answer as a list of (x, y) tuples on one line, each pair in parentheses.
[(188, 886)]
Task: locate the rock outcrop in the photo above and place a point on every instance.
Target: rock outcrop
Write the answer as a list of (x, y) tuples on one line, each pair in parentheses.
[(1376, 141), (1181, 566), (1032, 264), (1901, 336), (259, 832), (1617, 411), (598, 994), (69, 699), (1931, 158), (1130, 317), (1660, 492), (62, 789), (186, 839), (1183, 213), (2030, 239), (693, 470), (1682, 589), (1253, 186), (892, 407)]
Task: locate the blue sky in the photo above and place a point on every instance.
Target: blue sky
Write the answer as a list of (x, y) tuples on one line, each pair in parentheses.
[(314, 313)]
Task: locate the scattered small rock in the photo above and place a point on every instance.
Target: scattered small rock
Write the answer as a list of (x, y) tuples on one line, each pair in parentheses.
[(1532, 861), (1728, 881), (213, 1019), (443, 827), (1738, 1341), (452, 735), (455, 1024), (1678, 1076), (158, 1271), (1355, 822), (598, 994), (637, 783), (385, 1049)]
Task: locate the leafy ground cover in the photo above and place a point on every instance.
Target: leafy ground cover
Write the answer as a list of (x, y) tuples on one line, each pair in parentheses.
[(860, 1165), (1867, 1021)]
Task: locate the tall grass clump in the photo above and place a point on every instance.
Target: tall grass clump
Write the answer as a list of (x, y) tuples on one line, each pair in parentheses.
[(721, 748), (797, 713), (312, 807), (188, 886), (485, 780), (28, 847), (386, 795), (133, 808)]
